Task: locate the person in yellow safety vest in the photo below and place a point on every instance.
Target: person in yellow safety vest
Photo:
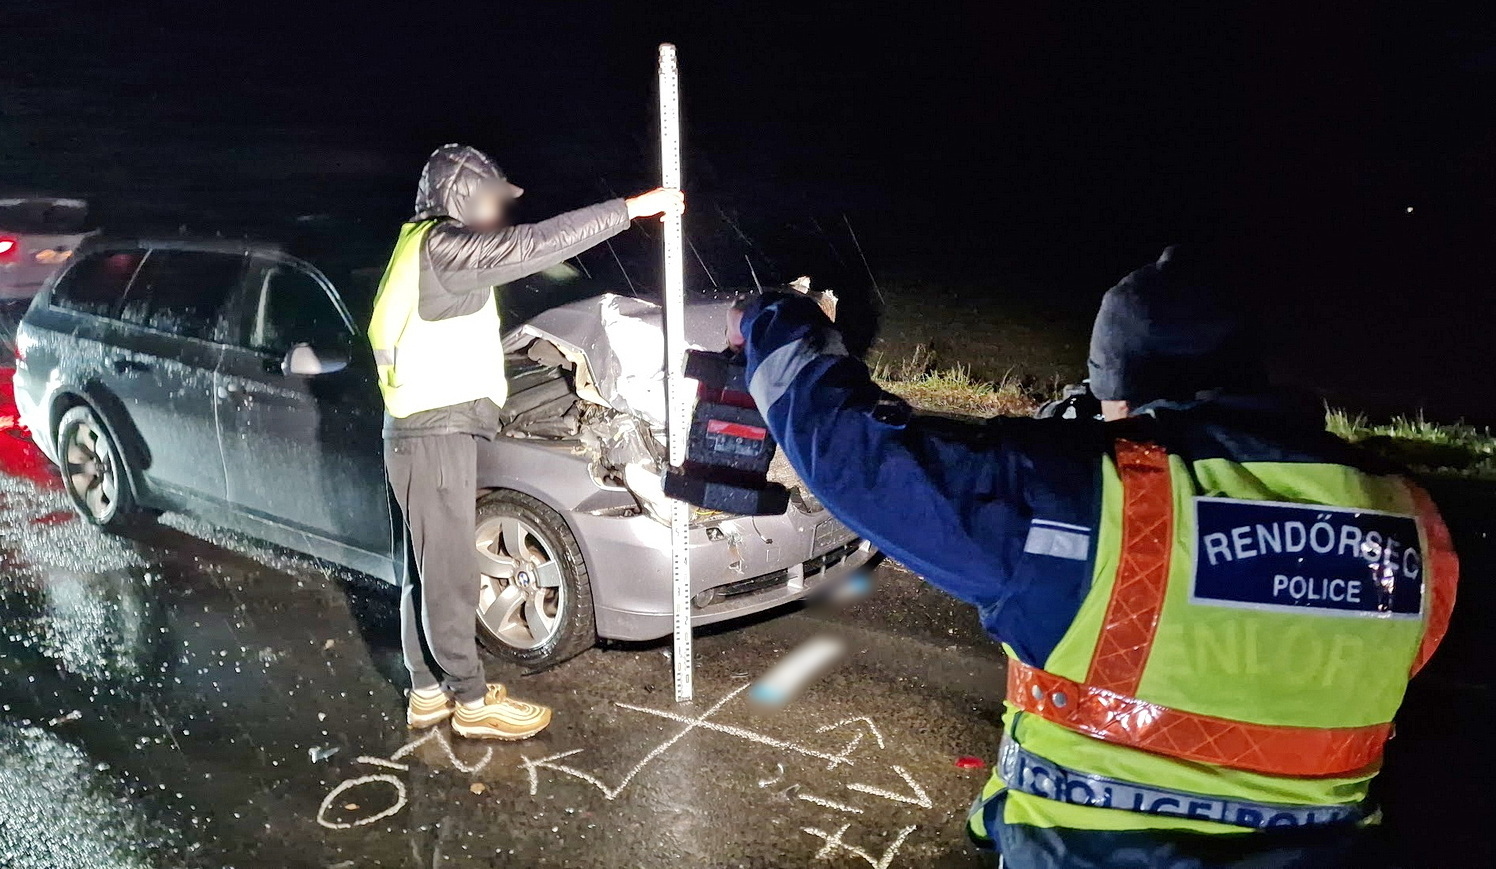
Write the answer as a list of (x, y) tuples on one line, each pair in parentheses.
[(439, 355), (1211, 606)]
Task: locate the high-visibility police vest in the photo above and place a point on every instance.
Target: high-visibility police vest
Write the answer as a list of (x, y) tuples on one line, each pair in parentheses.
[(428, 364), (1240, 655)]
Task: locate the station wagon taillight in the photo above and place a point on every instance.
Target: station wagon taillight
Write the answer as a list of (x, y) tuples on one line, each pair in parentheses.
[(8, 247)]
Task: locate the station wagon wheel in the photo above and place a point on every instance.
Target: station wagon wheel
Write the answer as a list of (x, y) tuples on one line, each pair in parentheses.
[(534, 596), (93, 471)]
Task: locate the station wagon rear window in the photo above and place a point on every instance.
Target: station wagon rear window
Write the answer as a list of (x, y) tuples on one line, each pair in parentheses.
[(96, 284)]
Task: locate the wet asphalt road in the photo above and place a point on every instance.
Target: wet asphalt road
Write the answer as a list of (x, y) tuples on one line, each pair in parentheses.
[(188, 697)]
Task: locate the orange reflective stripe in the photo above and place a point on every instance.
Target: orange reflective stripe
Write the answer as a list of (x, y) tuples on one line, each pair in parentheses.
[(1126, 720), (1442, 568), (1142, 571)]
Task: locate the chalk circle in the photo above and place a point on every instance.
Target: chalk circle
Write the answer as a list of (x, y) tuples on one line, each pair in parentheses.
[(349, 784)]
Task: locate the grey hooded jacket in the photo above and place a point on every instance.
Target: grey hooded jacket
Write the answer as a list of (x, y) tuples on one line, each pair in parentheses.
[(460, 267)]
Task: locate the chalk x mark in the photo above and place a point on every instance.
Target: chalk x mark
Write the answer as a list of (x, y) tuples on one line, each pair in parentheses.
[(613, 792), (834, 842), (834, 760), (830, 804), (872, 728), (920, 798)]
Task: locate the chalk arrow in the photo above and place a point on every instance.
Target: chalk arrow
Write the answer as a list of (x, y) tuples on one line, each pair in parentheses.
[(530, 767), (863, 720), (915, 797)]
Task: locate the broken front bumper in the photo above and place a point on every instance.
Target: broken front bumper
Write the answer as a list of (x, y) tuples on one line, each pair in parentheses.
[(739, 567)]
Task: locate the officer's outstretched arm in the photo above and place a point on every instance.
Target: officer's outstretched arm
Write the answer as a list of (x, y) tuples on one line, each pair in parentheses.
[(470, 263), (938, 496)]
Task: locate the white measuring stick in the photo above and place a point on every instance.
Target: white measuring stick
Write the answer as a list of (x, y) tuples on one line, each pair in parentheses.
[(678, 412)]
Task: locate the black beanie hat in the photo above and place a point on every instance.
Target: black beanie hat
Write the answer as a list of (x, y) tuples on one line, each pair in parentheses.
[(1171, 330)]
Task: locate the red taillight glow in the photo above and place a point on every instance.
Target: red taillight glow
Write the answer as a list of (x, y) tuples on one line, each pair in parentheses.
[(7, 247)]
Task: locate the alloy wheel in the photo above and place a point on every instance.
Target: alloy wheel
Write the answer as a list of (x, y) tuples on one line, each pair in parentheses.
[(522, 593), (91, 471)]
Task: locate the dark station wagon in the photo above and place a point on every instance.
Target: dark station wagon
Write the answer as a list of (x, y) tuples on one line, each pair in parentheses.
[(230, 379)]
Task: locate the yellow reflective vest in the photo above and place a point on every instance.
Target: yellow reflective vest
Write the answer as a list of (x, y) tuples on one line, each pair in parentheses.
[(429, 364), (1238, 661)]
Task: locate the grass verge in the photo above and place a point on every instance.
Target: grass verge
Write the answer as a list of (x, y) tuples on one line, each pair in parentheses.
[(1442, 449), (953, 389)]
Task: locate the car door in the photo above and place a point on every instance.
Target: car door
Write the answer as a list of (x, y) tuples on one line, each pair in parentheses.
[(303, 450), (163, 361)]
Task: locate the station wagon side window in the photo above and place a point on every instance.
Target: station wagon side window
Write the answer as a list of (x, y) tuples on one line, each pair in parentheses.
[(185, 292), (289, 306), (97, 283)]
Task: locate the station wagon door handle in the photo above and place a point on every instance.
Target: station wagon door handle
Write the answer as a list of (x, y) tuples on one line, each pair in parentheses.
[(122, 365)]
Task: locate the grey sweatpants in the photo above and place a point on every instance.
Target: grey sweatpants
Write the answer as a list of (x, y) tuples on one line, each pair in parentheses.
[(435, 478)]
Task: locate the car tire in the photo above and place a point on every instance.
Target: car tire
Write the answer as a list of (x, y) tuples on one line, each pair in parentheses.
[(94, 472), (540, 613)]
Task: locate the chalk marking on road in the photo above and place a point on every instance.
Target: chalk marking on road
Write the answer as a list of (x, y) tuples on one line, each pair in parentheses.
[(547, 763), (873, 728), (701, 722), (835, 760), (833, 842), (830, 804), (845, 753), (920, 798), (349, 784), (379, 761), (414, 744), (446, 746), (613, 792)]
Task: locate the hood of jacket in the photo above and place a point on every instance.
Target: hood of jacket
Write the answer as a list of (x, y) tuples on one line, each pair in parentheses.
[(452, 177)]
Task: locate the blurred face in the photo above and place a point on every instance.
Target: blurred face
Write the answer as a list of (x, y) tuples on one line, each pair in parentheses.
[(1112, 411), (487, 209)]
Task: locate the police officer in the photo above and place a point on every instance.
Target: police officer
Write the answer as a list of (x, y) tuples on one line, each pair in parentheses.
[(439, 354), (1210, 606)]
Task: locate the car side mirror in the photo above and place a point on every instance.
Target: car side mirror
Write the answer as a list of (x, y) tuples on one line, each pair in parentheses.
[(305, 361)]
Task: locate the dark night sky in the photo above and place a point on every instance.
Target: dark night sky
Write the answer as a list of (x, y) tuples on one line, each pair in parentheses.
[(1062, 143)]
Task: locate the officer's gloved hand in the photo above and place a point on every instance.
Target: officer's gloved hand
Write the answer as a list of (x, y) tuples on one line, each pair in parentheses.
[(756, 301), (735, 339)]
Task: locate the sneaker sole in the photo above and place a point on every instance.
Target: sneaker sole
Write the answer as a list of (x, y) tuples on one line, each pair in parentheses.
[(422, 722), (501, 735)]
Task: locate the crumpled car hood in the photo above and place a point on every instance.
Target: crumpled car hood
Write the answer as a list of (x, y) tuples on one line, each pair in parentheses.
[(621, 340)]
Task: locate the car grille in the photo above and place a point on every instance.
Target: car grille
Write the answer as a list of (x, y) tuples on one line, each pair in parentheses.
[(752, 585), (832, 558), (778, 579)]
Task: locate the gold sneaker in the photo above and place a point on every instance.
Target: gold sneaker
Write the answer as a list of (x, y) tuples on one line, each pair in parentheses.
[(423, 712), (500, 717)]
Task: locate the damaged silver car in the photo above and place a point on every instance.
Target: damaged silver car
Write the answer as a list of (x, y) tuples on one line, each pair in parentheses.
[(230, 379)]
